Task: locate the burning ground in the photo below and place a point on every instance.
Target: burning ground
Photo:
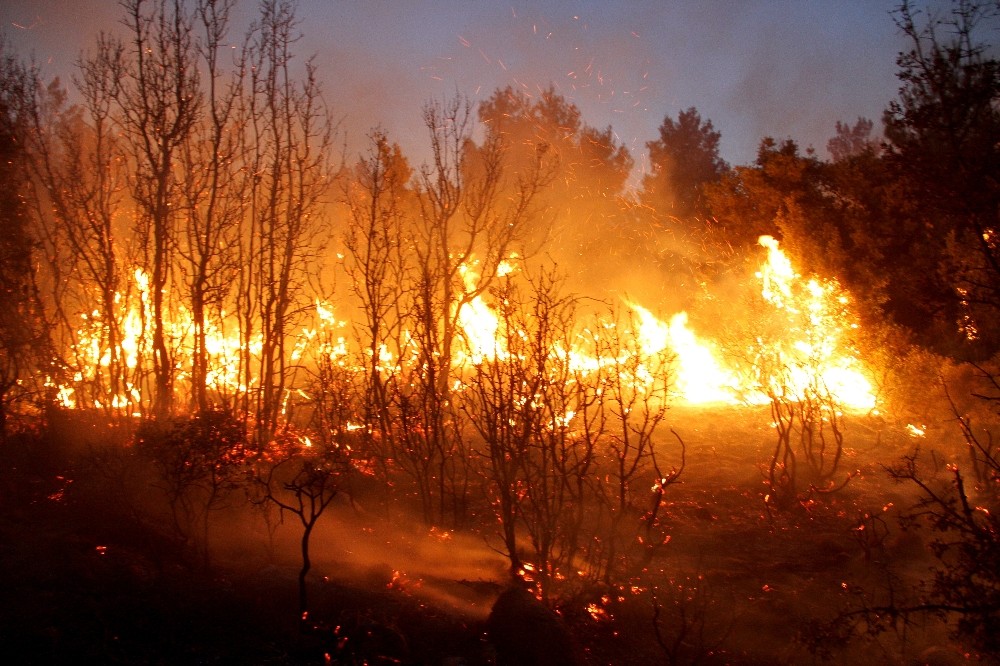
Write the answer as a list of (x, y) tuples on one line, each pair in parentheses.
[(737, 582), (737, 554)]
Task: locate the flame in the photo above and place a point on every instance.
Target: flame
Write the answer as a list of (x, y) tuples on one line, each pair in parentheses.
[(817, 324), (478, 320), (812, 344), (701, 377), (223, 342)]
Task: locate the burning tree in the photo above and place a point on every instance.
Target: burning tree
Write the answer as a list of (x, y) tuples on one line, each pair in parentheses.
[(290, 134), (179, 213), (377, 197), (213, 194), (84, 239), (467, 213), (158, 101)]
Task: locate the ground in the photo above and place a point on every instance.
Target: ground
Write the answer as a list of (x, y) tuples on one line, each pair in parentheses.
[(84, 577)]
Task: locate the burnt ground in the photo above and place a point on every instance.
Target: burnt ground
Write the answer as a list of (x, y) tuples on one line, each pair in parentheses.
[(85, 576)]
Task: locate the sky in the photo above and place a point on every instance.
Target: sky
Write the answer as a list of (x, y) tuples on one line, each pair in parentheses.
[(755, 68)]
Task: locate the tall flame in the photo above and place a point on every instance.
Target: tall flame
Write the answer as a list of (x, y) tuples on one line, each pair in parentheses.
[(478, 321), (816, 349)]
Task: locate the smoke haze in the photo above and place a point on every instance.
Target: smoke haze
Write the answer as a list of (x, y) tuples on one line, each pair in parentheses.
[(783, 68)]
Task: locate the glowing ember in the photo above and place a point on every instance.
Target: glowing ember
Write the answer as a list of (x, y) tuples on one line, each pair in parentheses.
[(598, 612)]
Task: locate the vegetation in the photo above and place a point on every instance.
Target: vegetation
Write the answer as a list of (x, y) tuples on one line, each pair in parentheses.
[(209, 323)]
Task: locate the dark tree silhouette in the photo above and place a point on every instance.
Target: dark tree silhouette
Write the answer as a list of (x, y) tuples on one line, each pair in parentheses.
[(158, 99), (943, 142), (851, 140), (683, 160), (303, 481), (21, 331)]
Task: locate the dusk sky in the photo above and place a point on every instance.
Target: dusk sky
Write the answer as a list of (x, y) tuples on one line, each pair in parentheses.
[(755, 68)]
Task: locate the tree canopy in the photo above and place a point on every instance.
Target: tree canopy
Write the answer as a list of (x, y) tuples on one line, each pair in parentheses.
[(683, 160)]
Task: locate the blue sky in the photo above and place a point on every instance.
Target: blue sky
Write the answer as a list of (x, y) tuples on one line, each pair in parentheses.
[(782, 68)]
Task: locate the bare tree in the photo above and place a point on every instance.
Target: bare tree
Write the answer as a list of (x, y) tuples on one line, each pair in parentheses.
[(157, 130), (158, 101), (469, 210), (290, 131), (379, 200), (303, 480), (212, 194), (532, 409), (506, 404), (222, 168), (635, 385), (559, 461), (808, 423), (80, 199)]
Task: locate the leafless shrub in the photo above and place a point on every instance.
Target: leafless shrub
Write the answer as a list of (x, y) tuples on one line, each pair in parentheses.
[(199, 460)]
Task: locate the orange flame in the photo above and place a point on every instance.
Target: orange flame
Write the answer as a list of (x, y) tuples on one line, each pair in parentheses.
[(701, 377), (813, 344), (816, 350)]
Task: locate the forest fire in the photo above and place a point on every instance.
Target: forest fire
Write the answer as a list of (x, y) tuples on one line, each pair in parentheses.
[(812, 342), (492, 398), (813, 345)]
